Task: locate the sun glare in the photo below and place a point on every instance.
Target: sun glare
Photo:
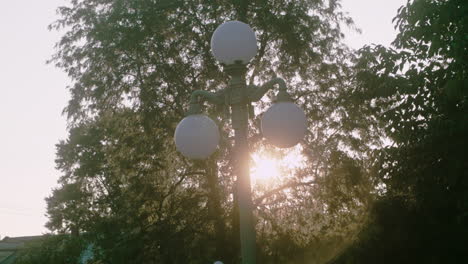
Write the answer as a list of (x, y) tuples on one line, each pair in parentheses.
[(268, 169), (265, 169)]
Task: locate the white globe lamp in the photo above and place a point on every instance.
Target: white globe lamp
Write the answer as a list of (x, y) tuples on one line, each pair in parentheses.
[(234, 41), (284, 124), (196, 136)]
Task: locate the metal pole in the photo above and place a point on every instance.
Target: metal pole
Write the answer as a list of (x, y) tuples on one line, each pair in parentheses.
[(239, 105)]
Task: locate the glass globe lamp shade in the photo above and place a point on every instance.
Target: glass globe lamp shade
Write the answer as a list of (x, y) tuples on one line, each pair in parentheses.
[(234, 41), (196, 136), (284, 124)]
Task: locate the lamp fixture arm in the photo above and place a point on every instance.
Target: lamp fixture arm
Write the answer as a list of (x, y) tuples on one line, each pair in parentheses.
[(282, 96), (198, 96)]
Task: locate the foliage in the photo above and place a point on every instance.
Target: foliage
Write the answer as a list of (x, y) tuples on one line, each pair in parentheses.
[(52, 249), (134, 65), (421, 93)]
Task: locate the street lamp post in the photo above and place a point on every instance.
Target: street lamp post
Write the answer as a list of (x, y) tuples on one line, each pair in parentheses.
[(284, 124)]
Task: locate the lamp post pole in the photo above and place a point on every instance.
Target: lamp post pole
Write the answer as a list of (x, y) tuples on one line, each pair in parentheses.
[(238, 101)]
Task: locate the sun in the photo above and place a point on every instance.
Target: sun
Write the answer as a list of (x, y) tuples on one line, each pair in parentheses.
[(269, 170), (265, 169)]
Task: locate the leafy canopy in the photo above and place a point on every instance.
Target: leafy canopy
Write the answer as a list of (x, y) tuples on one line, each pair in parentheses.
[(419, 88), (133, 65)]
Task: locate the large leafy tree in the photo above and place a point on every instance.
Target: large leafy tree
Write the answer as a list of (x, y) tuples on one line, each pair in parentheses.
[(421, 93), (134, 65)]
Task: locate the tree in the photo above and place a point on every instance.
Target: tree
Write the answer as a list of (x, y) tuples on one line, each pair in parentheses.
[(134, 65), (420, 91)]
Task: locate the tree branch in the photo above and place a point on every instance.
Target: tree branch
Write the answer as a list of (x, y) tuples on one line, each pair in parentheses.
[(280, 188), (174, 187)]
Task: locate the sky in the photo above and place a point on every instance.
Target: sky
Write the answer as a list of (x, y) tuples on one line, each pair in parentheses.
[(33, 95)]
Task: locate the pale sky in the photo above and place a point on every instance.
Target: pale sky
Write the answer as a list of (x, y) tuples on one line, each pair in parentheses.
[(34, 94)]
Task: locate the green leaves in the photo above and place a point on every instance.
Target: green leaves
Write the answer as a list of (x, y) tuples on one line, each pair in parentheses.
[(134, 64), (421, 100), (456, 90), (53, 249)]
